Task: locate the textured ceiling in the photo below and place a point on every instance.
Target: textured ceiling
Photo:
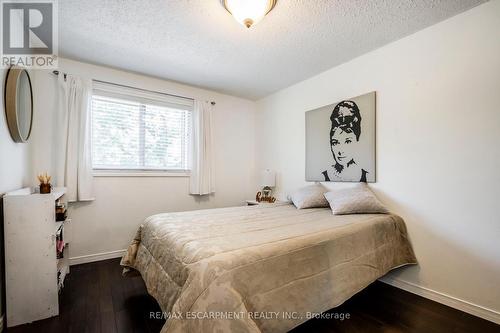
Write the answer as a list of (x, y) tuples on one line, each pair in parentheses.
[(197, 42)]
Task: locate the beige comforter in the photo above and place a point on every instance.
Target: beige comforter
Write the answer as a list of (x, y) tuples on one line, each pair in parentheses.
[(263, 268)]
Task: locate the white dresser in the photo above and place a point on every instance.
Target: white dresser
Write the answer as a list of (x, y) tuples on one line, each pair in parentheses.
[(33, 273)]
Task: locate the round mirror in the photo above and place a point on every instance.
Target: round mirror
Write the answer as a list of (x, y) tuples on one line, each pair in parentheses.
[(19, 104)]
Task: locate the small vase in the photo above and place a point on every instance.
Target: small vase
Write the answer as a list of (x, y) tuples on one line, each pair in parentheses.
[(45, 188)]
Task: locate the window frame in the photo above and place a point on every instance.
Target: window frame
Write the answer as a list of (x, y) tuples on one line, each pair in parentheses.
[(137, 94)]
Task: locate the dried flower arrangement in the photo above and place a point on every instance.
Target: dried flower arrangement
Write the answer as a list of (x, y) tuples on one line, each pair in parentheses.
[(45, 185)]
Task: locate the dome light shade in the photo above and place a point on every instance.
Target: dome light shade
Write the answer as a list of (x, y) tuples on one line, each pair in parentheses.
[(248, 12)]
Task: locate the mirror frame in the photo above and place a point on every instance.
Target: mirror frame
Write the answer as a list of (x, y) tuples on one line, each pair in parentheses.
[(10, 98)]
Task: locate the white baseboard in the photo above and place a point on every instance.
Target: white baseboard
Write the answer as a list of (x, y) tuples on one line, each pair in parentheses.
[(471, 308), (96, 257)]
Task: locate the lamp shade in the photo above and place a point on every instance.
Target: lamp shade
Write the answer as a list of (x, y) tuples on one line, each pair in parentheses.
[(268, 178), (248, 12)]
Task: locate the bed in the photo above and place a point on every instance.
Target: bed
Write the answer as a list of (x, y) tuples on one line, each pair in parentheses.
[(263, 268)]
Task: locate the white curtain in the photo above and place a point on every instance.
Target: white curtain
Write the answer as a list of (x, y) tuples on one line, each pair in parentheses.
[(202, 150), (74, 162)]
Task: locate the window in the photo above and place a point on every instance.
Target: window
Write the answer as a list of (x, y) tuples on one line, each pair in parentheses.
[(136, 130)]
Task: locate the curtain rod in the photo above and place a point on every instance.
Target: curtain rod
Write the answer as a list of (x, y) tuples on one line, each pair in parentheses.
[(146, 90)]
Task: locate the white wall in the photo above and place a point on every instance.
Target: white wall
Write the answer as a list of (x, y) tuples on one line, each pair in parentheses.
[(13, 166), (13, 156), (438, 155), (122, 203)]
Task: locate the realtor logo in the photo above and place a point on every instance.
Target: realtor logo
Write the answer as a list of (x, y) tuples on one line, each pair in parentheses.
[(29, 33)]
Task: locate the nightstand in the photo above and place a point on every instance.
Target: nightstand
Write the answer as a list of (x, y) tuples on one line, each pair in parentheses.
[(256, 203)]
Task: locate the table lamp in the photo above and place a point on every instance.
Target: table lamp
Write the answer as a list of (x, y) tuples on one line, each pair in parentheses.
[(267, 181)]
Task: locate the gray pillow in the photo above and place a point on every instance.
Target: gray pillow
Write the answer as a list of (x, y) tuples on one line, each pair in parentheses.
[(356, 200), (311, 196)]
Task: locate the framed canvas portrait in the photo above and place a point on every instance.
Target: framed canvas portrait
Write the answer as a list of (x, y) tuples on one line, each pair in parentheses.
[(340, 141)]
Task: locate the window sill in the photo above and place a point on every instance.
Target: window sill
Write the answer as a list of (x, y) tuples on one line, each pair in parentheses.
[(140, 173)]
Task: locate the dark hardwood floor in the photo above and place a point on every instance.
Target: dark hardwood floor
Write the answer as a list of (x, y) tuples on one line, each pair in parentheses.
[(96, 298)]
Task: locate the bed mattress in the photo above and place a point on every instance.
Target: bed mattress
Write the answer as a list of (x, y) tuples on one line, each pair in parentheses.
[(262, 268)]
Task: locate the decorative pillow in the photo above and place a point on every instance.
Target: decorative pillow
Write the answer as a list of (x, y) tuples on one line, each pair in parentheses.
[(356, 200), (311, 196)]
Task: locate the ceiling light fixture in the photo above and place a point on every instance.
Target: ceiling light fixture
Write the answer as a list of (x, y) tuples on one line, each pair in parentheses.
[(248, 12)]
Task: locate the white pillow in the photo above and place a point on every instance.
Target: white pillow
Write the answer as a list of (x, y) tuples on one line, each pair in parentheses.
[(311, 196), (356, 200)]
